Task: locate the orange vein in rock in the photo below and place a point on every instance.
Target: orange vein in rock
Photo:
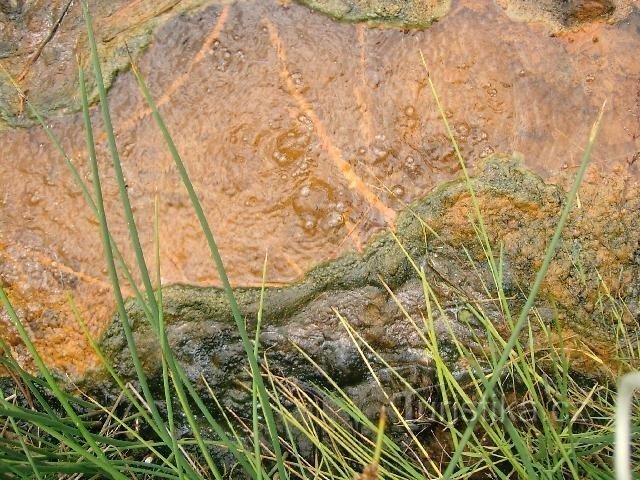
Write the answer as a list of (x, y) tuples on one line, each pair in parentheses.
[(293, 264), (354, 181), (51, 263), (182, 79), (197, 58)]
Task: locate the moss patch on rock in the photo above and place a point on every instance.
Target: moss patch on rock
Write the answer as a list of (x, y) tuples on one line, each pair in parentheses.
[(396, 13)]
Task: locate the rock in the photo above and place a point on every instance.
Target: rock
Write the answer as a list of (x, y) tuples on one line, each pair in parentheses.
[(599, 247), (42, 57), (265, 158), (46, 67), (580, 11), (397, 13)]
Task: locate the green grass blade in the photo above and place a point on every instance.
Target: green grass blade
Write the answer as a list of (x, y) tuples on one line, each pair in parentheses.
[(123, 315), (522, 318), (111, 268), (476, 207), (521, 448), (179, 374), (117, 166), (254, 385), (165, 347), (35, 470), (237, 315)]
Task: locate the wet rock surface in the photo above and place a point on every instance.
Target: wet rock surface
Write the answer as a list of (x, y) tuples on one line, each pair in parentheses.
[(269, 104), (41, 43), (598, 253)]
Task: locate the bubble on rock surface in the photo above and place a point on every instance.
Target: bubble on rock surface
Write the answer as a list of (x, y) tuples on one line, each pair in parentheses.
[(398, 190), (315, 205), (290, 146), (334, 219), (410, 111)]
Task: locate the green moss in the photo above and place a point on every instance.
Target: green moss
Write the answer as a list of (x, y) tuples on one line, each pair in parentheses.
[(395, 13)]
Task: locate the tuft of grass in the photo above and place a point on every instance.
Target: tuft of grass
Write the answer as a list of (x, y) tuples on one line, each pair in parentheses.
[(539, 278), (466, 426)]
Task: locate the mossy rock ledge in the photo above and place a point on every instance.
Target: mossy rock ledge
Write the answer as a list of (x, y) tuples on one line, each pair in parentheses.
[(393, 13), (599, 247), (566, 15)]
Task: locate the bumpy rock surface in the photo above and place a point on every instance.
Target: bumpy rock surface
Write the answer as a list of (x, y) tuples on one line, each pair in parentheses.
[(40, 51), (598, 262), (40, 42), (403, 13)]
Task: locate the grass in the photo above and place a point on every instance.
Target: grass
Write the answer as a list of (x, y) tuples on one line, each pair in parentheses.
[(464, 427)]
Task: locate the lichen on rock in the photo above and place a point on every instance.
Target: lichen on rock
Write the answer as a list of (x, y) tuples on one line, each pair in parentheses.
[(397, 13), (42, 57)]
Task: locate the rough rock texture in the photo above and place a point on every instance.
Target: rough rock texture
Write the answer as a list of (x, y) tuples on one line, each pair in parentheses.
[(599, 253), (42, 58), (402, 13), (567, 14), (262, 158), (40, 42)]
